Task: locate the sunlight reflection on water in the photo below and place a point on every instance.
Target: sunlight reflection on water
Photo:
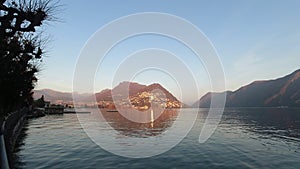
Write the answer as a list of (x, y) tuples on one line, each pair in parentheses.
[(245, 138)]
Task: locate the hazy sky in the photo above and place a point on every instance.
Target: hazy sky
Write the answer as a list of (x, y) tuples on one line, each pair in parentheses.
[(254, 39)]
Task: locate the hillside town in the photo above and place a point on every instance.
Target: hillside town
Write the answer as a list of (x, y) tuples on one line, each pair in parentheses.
[(142, 101)]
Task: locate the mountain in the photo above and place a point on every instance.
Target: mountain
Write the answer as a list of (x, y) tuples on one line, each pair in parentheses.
[(156, 86), (284, 91), (139, 95), (106, 95), (58, 97), (52, 95), (154, 93)]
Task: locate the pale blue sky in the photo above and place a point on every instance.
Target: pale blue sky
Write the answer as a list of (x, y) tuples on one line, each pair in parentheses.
[(254, 39)]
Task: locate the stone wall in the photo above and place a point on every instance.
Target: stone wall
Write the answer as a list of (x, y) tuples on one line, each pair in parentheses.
[(11, 129)]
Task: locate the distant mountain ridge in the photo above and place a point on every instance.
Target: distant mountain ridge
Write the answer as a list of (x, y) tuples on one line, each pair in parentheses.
[(52, 95), (58, 97), (284, 91), (136, 94)]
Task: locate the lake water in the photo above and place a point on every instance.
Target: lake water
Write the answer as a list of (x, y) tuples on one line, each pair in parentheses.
[(245, 138)]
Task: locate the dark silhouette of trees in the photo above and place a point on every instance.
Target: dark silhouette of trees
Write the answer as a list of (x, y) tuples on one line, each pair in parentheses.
[(40, 102), (21, 49)]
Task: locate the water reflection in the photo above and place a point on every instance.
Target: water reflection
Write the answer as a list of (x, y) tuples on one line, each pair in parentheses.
[(267, 122), (130, 128), (245, 138)]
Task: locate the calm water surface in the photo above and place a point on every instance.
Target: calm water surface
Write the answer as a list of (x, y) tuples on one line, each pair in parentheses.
[(245, 138)]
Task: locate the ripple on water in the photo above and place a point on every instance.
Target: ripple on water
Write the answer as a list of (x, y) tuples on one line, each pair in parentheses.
[(246, 138)]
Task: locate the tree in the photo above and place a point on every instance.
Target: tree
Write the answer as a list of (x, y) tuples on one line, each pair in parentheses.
[(21, 49), (40, 102)]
